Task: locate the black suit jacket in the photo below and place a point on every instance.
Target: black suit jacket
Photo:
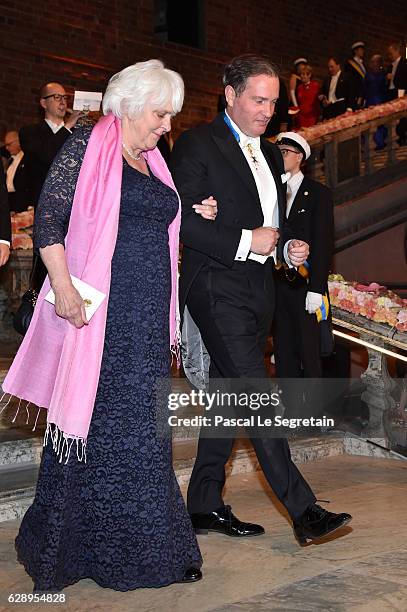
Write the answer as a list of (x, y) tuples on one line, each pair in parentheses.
[(400, 77), (23, 196), (311, 219), (355, 84), (5, 222), (208, 161), (342, 90), (40, 146)]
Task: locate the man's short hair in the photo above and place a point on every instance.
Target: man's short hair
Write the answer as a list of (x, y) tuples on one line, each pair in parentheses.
[(397, 46), (242, 67), (334, 59)]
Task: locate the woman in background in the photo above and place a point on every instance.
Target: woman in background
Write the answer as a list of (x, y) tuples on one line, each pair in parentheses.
[(307, 94)]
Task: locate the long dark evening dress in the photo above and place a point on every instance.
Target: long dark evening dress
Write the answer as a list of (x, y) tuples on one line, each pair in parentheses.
[(119, 518)]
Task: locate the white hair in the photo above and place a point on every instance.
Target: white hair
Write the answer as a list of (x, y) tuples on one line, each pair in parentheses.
[(144, 83)]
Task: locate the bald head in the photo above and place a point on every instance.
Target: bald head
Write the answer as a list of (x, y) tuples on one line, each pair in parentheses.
[(394, 51), (53, 101), (12, 142), (51, 88)]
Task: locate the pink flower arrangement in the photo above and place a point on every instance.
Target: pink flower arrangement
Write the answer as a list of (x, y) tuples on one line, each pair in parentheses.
[(21, 229), (350, 119), (372, 301)]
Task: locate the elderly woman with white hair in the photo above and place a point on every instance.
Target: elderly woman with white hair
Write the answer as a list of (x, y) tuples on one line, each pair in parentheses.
[(107, 504)]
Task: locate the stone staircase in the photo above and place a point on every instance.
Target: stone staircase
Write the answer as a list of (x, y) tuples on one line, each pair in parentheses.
[(20, 454)]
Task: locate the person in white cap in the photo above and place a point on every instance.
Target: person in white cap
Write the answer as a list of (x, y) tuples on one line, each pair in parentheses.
[(356, 69), (300, 293), (295, 79)]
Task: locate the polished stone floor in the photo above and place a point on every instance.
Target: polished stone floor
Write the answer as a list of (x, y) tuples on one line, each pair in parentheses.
[(365, 569)]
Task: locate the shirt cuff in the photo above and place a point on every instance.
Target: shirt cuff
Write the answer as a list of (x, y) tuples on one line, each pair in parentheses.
[(5, 242), (285, 254), (244, 245)]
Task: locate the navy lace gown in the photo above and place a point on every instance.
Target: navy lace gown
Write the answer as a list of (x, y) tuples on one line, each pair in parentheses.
[(119, 518)]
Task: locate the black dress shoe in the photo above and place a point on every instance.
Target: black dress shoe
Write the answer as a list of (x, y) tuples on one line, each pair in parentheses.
[(224, 521), (193, 574), (316, 522)]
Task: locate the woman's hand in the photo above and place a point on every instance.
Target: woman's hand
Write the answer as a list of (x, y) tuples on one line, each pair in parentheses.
[(4, 254), (208, 209), (70, 306)]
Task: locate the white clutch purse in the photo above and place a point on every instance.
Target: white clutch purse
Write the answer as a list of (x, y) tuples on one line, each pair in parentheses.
[(91, 296)]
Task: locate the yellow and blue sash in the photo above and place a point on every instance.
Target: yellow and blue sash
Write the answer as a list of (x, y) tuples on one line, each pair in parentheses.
[(323, 311)]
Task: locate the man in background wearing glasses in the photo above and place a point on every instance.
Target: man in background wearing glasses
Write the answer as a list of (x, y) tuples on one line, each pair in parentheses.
[(42, 141)]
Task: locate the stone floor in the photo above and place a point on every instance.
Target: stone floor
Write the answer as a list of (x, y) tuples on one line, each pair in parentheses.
[(363, 570)]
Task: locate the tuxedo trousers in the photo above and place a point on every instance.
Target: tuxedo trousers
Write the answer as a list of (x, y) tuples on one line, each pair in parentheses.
[(297, 349), (233, 309)]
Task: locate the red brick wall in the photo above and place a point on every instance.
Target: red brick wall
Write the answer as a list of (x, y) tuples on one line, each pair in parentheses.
[(81, 44)]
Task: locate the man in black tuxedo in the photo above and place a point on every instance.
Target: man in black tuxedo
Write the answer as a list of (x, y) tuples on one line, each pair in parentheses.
[(227, 282), (335, 94), (296, 336), (42, 141), (5, 223), (397, 78), (18, 177)]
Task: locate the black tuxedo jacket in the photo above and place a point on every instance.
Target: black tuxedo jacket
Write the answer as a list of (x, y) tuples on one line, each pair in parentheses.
[(5, 222), (40, 146), (208, 161), (23, 196), (311, 219), (342, 90), (400, 77), (355, 84)]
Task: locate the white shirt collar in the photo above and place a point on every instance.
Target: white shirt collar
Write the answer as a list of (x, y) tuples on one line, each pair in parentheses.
[(55, 127), (295, 181), (396, 61), (18, 156), (244, 138)]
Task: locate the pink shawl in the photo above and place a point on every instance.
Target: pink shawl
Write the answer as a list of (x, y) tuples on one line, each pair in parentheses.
[(57, 366)]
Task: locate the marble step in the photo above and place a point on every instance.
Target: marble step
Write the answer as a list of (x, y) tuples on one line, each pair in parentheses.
[(18, 474)]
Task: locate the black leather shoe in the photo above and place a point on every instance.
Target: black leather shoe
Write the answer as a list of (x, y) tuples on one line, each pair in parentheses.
[(193, 574), (224, 521), (316, 522)]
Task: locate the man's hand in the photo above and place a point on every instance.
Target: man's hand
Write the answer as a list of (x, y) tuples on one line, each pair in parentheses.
[(297, 252), (73, 118), (208, 209), (4, 253), (324, 100), (264, 240)]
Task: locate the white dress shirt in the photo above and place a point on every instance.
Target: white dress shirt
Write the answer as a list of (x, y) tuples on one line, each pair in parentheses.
[(11, 170), (332, 88), (267, 191), (393, 72), (293, 186), (55, 127)]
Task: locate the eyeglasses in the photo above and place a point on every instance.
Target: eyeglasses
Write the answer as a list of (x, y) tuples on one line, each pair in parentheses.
[(285, 151), (57, 97)]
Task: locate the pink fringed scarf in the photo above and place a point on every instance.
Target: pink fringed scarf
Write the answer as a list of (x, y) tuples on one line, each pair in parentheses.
[(58, 366)]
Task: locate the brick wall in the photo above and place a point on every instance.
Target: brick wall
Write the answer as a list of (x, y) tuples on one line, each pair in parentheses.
[(82, 44)]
